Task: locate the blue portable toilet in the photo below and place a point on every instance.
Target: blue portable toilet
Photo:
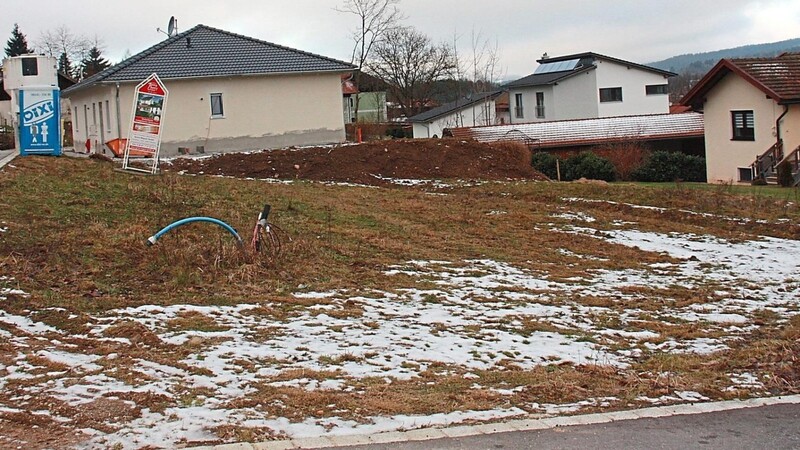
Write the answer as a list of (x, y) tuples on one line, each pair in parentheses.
[(32, 82), (40, 121)]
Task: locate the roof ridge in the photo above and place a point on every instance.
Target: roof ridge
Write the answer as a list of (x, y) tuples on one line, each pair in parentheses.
[(105, 73), (261, 41)]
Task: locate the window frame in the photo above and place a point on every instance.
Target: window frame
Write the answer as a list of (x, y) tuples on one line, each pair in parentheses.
[(656, 89), (221, 113), (519, 111), (30, 67), (743, 132), (613, 98), (744, 170), (540, 105)]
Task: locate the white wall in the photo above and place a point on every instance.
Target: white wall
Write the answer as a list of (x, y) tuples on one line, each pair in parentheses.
[(528, 102), (12, 72), (578, 97), (259, 112), (89, 124), (575, 97), (479, 114), (725, 156), (633, 82)]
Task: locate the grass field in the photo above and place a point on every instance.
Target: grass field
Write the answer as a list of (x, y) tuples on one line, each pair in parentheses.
[(389, 308)]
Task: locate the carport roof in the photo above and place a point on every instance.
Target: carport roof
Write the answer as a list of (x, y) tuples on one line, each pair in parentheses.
[(203, 51), (571, 133)]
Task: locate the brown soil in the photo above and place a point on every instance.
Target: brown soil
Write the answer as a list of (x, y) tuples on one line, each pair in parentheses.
[(368, 163)]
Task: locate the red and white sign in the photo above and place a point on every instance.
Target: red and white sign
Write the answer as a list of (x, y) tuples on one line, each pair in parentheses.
[(147, 121)]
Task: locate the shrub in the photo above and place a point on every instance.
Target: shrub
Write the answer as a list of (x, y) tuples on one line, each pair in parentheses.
[(785, 178), (626, 156), (588, 165), (664, 166), (545, 163), (399, 132)]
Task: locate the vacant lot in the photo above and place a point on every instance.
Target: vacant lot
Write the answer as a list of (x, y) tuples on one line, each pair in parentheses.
[(390, 308)]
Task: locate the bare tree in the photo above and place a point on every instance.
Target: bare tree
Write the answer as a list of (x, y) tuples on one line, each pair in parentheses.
[(410, 62), (376, 18), (61, 41), (485, 59), (478, 71)]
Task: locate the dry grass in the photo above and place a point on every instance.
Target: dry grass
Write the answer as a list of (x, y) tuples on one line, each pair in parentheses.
[(76, 243)]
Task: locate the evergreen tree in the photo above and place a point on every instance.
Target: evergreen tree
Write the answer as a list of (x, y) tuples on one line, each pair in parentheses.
[(17, 45), (65, 65), (93, 63)]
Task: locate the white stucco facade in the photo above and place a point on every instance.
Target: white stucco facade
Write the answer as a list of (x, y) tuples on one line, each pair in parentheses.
[(477, 114), (727, 157), (578, 96), (267, 111)]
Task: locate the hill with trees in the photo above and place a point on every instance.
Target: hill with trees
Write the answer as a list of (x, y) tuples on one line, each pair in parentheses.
[(702, 62), (691, 67)]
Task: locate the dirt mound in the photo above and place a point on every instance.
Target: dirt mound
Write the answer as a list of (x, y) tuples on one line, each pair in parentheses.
[(372, 162)]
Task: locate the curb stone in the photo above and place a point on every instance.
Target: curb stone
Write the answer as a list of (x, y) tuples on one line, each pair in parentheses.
[(513, 425)]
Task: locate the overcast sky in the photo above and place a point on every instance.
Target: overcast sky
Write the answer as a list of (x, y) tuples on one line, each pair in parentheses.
[(637, 30)]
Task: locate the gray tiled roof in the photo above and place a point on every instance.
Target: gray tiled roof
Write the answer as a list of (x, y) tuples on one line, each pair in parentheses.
[(448, 108), (204, 51)]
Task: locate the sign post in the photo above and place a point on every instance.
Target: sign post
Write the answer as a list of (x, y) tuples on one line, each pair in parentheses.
[(147, 122), (40, 122)]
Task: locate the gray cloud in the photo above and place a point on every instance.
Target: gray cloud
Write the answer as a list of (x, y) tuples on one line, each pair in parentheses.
[(641, 31)]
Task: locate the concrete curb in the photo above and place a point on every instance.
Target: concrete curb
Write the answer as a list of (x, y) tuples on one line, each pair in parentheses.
[(502, 427), (8, 158)]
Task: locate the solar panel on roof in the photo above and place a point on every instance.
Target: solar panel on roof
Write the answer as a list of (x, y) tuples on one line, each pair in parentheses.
[(559, 66)]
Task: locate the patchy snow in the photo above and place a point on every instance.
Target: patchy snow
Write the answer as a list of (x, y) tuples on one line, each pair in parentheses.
[(465, 316)]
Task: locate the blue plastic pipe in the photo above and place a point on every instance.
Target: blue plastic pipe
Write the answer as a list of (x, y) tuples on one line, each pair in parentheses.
[(152, 239)]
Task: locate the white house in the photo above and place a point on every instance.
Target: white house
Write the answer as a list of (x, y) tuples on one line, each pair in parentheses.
[(227, 92), (472, 110), (752, 116), (588, 85)]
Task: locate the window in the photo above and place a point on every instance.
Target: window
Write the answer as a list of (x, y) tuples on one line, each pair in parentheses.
[(518, 109), (743, 126), (540, 105), (216, 106), (611, 94), (745, 174), (30, 67), (656, 89)]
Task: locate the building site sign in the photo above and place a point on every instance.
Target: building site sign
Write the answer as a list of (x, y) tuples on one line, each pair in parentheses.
[(147, 122), (40, 122)]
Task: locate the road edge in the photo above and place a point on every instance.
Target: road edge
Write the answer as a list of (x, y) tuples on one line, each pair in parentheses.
[(501, 427)]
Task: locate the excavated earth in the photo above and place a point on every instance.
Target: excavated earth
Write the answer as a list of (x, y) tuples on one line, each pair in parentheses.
[(372, 163)]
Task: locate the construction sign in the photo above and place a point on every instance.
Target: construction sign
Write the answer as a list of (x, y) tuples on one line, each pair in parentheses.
[(147, 122)]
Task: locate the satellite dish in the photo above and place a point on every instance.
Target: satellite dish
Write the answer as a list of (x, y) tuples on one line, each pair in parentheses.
[(172, 28)]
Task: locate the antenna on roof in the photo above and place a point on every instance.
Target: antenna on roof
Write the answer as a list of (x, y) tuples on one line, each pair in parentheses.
[(172, 27)]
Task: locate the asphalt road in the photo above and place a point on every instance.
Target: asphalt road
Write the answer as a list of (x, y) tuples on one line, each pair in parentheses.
[(766, 427)]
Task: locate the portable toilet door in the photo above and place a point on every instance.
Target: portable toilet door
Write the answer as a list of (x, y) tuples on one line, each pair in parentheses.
[(40, 121)]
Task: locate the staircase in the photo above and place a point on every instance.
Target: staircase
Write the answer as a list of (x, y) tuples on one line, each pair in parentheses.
[(766, 165)]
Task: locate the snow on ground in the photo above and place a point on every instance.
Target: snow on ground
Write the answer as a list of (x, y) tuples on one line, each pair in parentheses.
[(470, 315)]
